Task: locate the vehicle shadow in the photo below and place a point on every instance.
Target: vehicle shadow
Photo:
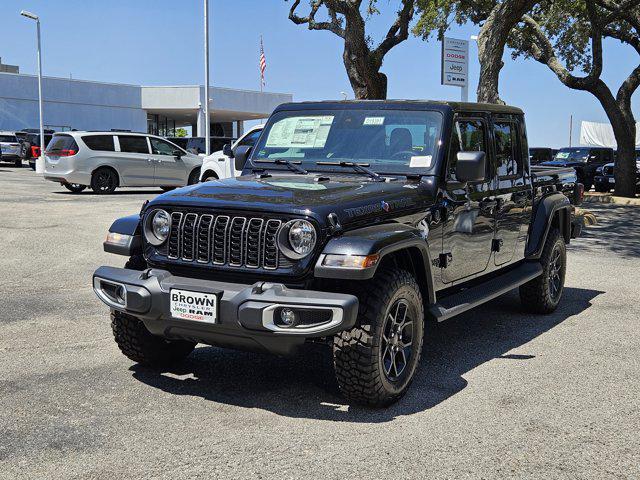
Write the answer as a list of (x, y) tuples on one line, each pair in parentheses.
[(89, 193), (304, 386), (616, 231)]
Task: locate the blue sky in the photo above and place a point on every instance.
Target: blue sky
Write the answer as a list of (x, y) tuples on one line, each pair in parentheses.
[(158, 42)]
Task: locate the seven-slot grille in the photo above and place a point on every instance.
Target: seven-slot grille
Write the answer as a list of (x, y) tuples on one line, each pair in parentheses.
[(234, 241)]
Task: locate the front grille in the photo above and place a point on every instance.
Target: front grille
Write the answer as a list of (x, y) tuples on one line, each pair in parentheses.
[(234, 241), (607, 170)]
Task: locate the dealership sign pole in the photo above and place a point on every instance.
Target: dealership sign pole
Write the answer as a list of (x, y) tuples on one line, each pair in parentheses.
[(455, 65)]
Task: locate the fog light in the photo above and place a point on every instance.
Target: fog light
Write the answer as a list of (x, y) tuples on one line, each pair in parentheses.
[(288, 317)]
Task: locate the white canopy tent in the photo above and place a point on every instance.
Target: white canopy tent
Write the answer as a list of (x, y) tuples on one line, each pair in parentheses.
[(601, 134)]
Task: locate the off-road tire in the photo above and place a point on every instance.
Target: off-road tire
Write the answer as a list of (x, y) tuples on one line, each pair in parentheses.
[(135, 341), (74, 187), (537, 295), (358, 365), (104, 181)]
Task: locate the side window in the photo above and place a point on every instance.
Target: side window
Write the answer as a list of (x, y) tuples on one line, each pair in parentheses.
[(133, 144), (468, 136), (508, 159), (99, 142), (250, 139), (160, 147)]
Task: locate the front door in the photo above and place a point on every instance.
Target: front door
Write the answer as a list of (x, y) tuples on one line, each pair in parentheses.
[(170, 171), (468, 209), (512, 196)]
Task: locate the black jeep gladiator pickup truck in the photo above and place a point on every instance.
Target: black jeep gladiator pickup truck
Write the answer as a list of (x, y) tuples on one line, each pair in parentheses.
[(352, 225)]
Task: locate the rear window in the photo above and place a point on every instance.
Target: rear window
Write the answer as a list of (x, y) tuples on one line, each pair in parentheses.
[(100, 142), (62, 143), (133, 144), (8, 138)]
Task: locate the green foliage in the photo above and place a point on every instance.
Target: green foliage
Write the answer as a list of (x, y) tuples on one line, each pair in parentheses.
[(181, 132)]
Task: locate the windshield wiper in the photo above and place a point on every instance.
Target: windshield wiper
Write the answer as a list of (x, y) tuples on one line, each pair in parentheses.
[(358, 167), (293, 166)]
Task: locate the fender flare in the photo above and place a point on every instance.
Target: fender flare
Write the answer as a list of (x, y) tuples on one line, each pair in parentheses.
[(543, 215), (384, 240), (130, 226)]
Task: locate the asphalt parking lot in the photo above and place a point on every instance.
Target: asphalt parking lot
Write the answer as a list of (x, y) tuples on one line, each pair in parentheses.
[(500, 394)]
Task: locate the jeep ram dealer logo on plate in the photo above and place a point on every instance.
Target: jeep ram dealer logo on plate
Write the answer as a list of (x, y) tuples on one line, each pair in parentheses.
[(195, 306)]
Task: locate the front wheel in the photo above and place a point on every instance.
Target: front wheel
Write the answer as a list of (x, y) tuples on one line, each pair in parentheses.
[(376, 361), (543, 293), (139, 345), (74, 187), (18, 162), (601, 188), (194, 177)]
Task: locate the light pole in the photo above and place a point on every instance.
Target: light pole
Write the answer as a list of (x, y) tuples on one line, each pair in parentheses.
[(207, 128), (40, 159)]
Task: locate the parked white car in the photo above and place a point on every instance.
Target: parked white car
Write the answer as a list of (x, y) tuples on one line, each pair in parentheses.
[(220, 164), (107, 160), (10, 148)]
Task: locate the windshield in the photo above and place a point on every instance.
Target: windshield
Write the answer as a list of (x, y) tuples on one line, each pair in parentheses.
[(572, 154), (388, 141)]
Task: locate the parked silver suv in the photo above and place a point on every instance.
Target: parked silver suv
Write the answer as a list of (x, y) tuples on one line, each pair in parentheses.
[(107, 160), (10, 148)]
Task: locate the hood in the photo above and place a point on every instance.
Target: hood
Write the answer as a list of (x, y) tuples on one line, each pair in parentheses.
[(562, 163), (352, 198)]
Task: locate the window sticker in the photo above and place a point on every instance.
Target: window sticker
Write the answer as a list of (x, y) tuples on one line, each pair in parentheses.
[(300, 132), (373, 121), (420, 161), (563, 155)]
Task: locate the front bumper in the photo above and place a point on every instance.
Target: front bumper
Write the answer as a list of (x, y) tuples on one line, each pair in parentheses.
[(245, 313)]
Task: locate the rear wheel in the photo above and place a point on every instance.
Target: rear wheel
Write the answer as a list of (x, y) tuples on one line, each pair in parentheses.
[(74, 187), (139, 345), (542, 294), (375, 362), (104, 181), (18, 162)]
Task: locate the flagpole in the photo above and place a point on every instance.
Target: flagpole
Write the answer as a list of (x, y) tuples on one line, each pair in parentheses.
[(261, 52)]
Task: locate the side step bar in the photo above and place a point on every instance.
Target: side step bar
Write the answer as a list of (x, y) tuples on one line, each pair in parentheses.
[(467, 299)]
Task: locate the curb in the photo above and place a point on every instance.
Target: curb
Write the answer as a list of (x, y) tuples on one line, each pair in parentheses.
[(608, 198)]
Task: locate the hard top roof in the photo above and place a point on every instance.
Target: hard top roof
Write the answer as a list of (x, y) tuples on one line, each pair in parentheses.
[(403, 104)]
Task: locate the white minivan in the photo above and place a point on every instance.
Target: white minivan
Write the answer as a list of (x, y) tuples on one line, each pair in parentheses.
[(107, 160), (220, 164)]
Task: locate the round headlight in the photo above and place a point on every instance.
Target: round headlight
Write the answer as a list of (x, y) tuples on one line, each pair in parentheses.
[(300, 239), (158, 227)]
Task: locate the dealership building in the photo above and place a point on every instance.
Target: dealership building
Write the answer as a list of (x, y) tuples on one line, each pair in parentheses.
[(88, 105)]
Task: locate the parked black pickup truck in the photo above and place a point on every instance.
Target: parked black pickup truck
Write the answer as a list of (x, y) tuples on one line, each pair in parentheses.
[(585, 160), (353, 223)]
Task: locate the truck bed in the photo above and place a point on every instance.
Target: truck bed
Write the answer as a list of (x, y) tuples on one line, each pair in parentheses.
[(546, 179)]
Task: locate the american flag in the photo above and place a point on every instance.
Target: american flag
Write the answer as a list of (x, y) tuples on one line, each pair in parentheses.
[(263, 64)]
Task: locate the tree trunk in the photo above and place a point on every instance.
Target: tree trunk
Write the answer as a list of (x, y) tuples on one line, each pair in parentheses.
[(490, 51), (625, 170), (363, 70)]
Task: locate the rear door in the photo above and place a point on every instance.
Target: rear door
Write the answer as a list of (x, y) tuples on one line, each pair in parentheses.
[(169, 171), (468, 212), (512, 193), (134, 163)]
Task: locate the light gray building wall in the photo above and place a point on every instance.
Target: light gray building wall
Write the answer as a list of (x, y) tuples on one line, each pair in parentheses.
[(68, 103), (88, 105)]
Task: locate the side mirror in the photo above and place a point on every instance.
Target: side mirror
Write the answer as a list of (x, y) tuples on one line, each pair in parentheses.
[(242, 153), (177, 154), (227, 150), (471, 167)]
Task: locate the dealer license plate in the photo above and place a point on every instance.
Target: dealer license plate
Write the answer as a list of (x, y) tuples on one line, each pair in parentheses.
[(612, 180), (194, 306)]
